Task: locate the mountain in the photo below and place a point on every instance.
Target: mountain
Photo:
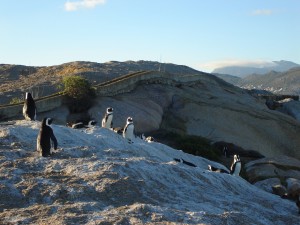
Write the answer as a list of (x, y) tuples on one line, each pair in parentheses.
[(97, 177), (285, 83), (242, 71)]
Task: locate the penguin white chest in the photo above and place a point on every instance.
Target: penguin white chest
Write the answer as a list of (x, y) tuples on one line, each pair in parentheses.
[(237, 169), (106, 122), (128, 133)]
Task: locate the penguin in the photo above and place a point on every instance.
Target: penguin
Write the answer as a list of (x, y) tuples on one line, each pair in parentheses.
[(79, 125), (149, 139), (29, 108), (46, 138), (91, 123), (218, 170), (185, 162), (128, 131), (107, 119), (118, 130), (236, 166)]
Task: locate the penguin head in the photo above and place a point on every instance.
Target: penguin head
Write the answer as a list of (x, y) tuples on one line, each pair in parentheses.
[(92, 123), (109, 110), (236, 158), (28, 95), (48, 121), (129, 120)]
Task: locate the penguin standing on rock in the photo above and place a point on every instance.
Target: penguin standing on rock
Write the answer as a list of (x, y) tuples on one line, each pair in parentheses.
[(235, 168), (29, 108), (46, 138), (107, 119), (128, 131)]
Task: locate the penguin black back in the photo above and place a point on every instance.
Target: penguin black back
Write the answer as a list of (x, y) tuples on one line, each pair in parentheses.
[(46, 137), (29, 108)]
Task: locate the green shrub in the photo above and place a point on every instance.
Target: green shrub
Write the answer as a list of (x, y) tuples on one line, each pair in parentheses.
[(79, 92), (77, 87)]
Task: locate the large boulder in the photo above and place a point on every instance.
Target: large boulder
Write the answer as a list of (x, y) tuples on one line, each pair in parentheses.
[(291, 107), (281, 174), (293, 187)]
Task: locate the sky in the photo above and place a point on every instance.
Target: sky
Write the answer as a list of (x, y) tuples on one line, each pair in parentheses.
[(202, 34)]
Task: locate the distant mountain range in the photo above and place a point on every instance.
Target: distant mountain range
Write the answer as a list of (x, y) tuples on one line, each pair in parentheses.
[(243, 71), (287, 82)]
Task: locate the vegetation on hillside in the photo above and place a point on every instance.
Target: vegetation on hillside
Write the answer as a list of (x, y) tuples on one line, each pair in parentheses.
[(79, 92)]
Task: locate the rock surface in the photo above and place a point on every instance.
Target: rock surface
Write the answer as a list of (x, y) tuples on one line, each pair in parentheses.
[(209, 108), (97, 177), (271, 172)]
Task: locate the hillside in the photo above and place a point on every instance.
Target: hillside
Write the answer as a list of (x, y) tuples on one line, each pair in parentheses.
[(96, 177), (276, 82), (42, 81)]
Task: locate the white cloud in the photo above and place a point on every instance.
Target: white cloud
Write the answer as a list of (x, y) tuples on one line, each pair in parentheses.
[(73, 6), (210, 66), (263, 12)]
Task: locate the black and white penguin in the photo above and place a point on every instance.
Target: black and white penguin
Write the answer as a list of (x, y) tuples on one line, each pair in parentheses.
[(46, 138), (236, 166), (185, 162), (108, 117), (91, 123), (29, 108), (149, 139), (128, 131), (218, 170), (118, 130), (79, 125)]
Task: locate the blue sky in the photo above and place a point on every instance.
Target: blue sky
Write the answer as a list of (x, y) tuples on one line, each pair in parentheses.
[(202, 34)]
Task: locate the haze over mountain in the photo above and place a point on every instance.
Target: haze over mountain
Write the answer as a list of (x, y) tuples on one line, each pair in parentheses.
[(261, 68)]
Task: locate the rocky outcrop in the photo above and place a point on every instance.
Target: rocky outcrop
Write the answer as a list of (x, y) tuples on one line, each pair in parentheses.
[(279, 175), (291, 107)]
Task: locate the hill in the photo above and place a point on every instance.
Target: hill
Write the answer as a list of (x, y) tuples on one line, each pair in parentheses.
[(97, 177), (42, 81), (242, 71)]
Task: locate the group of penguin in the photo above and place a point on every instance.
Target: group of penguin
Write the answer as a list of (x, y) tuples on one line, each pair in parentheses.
[(46, 138)]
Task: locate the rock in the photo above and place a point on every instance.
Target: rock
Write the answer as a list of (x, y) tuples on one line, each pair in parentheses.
[(283, 161), (279, 189), (267, 184), (293, 187), (260, 172), (291, 108)]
